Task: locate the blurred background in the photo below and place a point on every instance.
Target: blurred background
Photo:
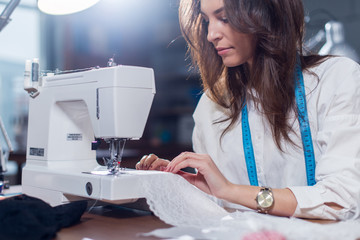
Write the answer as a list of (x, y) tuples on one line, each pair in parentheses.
[(142, 33)]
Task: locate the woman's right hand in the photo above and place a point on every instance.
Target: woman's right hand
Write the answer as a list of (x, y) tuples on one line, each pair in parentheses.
[(152, 162)]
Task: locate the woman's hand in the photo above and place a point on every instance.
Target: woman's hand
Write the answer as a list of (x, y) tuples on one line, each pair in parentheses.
[(208, 178), (152, 162)]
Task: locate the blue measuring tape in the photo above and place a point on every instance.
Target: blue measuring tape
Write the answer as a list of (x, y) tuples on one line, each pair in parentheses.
[(248, 148), (304, 128)]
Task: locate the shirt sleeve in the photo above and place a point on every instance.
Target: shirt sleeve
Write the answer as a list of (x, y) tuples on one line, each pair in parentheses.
[(197, 135), (338, 168)]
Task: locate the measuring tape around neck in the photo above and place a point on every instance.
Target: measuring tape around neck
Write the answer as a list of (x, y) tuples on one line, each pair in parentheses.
[(304, 129)]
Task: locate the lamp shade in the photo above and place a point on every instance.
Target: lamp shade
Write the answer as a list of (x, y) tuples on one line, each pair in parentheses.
[(60, 7), (335, 42)]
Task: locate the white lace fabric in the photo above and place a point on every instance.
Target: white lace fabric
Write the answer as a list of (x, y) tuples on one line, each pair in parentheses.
[(177, 202), (195, 215)]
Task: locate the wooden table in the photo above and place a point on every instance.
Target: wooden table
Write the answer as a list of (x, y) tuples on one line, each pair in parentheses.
[(107, 222), (112, 222), (117, 222)]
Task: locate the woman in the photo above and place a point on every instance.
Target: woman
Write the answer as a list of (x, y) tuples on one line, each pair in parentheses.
[(269, 114)]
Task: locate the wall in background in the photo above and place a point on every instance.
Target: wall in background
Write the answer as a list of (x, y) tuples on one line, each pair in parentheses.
[(136, 32), (141, 33), (19, 40), (319, 12)]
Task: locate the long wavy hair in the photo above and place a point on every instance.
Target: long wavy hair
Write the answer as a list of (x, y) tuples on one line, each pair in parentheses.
[(278, 29)]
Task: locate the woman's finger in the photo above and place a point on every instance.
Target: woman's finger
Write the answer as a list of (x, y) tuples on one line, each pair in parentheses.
[(186, 162), (181, 157), (159, 164), (139, 165), (149, 160), (184, 157)]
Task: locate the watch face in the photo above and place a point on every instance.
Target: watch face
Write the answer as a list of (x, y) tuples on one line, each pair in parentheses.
[(265, 199)]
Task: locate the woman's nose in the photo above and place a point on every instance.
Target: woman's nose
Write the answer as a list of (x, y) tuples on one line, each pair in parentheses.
[(214, 32)]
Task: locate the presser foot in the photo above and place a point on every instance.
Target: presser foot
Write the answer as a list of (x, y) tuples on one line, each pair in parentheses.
[(113, 166), (117, 171)]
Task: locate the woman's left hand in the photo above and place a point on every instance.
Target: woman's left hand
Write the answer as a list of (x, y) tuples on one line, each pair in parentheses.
[(208, 178)]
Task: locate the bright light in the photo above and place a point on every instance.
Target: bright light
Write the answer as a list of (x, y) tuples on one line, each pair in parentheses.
[(60, 7)]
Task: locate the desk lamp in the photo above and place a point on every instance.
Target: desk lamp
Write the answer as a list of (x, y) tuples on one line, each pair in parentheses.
[(334, 36), (335, 42), (60, 7), (4, 155), (54, 7)]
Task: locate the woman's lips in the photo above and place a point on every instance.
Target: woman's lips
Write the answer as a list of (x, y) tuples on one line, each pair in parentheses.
[(222, 51)]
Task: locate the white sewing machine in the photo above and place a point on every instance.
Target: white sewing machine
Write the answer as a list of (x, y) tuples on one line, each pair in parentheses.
[(66, 113)]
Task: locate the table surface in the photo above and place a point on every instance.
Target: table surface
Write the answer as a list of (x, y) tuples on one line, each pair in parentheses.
[(112, 222), (107, 222), (116, 222)]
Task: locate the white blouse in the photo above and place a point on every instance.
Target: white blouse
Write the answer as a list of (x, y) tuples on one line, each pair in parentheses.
[(333, 103)]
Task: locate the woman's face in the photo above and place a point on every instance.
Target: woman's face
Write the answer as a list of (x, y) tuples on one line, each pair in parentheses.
[(235, 48)]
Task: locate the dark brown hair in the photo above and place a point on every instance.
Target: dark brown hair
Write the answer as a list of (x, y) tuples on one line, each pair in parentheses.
[(278, 29)]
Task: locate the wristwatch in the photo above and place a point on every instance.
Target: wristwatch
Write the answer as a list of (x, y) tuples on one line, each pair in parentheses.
[(264, 200)]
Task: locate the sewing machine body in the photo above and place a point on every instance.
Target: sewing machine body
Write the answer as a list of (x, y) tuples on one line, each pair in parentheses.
[(68, 113)]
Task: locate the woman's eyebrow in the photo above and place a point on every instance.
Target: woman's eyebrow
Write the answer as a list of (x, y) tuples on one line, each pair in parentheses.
[(217, 11)]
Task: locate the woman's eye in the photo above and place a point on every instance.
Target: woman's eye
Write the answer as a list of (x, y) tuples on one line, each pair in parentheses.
[(204, 21), (224, 20)]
